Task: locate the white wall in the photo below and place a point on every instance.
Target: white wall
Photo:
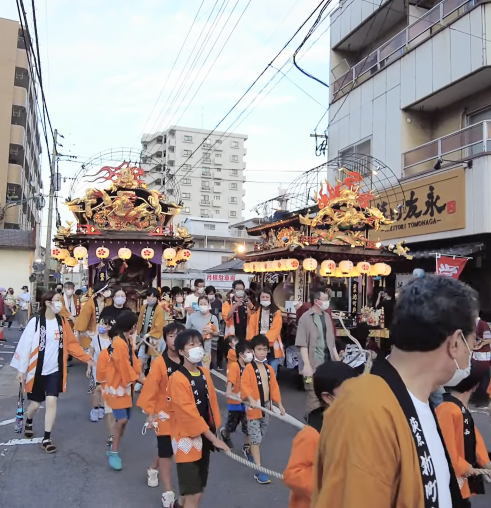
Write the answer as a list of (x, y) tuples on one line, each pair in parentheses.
[(15, 268)]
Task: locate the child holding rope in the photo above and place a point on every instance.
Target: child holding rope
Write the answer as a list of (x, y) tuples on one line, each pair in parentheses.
[(299, 473), (259, 388), (236, 410)]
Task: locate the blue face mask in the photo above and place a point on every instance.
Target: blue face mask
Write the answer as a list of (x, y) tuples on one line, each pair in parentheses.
[(102, 329)]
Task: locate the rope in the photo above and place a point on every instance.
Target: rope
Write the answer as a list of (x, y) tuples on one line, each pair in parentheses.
[(252, 465)]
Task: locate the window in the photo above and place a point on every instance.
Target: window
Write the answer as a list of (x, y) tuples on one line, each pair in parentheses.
[(205, 198), (225, 259), (188, 139), (217, 212), (207, 143), (158, 154), (217, 184), (185, 153), (233, 200), (234, 172), (234, 158), (218, 170), (186, 181), (145, 146), (210, 226), (234, 144), (359, 165), (232, 213), (170, 163), (218, 155), (216, 198), (160, 139), (207, 157), (204, 212), (186, 166), (205, 186), (233, 186), (186, 209), (186, 195), (205, 172)]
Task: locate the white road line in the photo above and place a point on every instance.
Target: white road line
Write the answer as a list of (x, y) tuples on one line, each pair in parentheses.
[(15, 442), (8, 352), (7, 422)]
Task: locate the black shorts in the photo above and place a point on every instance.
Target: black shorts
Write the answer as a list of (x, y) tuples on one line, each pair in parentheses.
[(193, 476), (164, 447), (44, 386)]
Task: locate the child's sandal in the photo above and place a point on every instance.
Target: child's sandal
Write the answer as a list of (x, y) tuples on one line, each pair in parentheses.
[(28, 432), (48, 446)]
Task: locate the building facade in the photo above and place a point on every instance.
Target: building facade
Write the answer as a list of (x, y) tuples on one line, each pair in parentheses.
[(207, 170), (409, 87), (20, 144)]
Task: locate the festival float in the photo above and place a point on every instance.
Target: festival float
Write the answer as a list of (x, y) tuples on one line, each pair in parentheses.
[(331, 235), (124, 233)]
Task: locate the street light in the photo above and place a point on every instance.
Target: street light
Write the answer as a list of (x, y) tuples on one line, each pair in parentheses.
[(40, 204), (241, 249)]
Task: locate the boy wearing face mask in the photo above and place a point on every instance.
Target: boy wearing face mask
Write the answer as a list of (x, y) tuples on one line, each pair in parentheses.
[(237, 410), (191, 302), (299, 473), (177, 310), (195, 418), (259, 387), (206, 324)]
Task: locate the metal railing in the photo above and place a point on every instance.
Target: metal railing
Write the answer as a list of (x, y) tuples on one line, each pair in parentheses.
[(400, 44), (454, 147)]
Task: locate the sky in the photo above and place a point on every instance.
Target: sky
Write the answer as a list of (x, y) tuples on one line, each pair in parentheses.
[(105, 64)]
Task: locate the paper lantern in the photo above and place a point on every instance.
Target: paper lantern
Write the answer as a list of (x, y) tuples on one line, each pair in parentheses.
[(253, 267), (328, 266), (284, 266), (379, 268), (277, 265), (265, 266), (354, 273), (388, 269), (309, 264), (124, 253), (373, 271), (169, 253), (80, 252), (69, 261), (102, 252), (292, 264), (63, 254), (184, 254), (55, 252), (338, 273), (346, 266), (363, 266), (245, 267), (171, 263), (147, 253)]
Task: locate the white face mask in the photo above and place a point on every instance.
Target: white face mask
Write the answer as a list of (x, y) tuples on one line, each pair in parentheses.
[(211, 298), (179, 299), (239, 293), (204, 309), (256, 359), (201, 290), (324, 305), (195, 354), (265, 303), (119, 300), (248, 357), (69, 292), (106, 294), (56, 307), (461, 374)]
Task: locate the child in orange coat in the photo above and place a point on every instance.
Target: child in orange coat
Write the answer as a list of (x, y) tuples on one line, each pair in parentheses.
[(232, 342), (464, 442), (154, 401), (299, 474), (259, 387), (195, 418)]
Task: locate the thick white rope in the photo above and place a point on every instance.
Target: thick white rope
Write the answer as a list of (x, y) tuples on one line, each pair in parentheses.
[(252, 465)]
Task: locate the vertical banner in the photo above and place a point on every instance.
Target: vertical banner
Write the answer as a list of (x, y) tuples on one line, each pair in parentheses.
[(354, 297), (449, 266)]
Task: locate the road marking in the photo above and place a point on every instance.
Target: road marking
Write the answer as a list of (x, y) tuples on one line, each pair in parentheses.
[(8, 352), (7, 422), (15, 442)]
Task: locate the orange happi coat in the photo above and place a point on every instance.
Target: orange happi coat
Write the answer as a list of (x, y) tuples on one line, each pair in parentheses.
[(299, 473), (154, 396), (231, 355), (157, 325), (250, 388), (233, 377), (187, 425), (273, 334), (117, 375)]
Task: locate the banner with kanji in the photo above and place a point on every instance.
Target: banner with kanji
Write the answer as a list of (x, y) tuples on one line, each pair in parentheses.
[(449, 266)]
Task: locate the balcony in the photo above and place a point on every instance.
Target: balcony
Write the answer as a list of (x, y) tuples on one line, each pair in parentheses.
[(459, 146), (14, 174), (17, 135), (442, 68), (205, 203), (20, 97), (206, 189)]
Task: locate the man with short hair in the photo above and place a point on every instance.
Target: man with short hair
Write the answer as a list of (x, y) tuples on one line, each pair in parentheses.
[(380, 444), (71, 307), (24, 302), (235, 311), (316, 340), (191, 301), (217, 342)]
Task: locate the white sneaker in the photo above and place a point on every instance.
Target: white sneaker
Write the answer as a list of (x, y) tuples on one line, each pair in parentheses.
[(94, 415), (168, 499), (138, 387), (101, 413), (152, 477)]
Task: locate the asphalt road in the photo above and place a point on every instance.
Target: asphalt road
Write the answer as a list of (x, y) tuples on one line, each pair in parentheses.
[(78, 475), (7, 348)]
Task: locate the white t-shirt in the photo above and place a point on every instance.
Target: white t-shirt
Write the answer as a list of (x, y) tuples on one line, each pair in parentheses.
[(50, 364), (24, 299), (191, 301), (99, 344), (437, 451)]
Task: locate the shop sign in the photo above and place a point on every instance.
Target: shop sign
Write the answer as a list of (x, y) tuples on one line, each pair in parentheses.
[(354, 297), (450, 266), (430, 205), (219, 277)]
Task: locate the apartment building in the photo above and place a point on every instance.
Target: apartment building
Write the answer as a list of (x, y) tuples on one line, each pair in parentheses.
[(20, 144), (207, 172), (409, 86)]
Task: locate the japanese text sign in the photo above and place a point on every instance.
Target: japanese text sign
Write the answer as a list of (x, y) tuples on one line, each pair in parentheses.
[(449, 266), (430, 205), (219, 277)]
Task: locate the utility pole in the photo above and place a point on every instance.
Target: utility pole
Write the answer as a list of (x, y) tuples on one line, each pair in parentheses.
[(47, 254)]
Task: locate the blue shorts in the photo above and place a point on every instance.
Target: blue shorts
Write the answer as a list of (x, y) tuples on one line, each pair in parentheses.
[(122, 414)]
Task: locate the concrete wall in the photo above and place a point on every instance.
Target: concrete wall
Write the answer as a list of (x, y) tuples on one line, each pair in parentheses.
[(15, 268)]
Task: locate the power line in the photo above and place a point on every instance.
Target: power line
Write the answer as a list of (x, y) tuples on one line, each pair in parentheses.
[(259, 77)]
